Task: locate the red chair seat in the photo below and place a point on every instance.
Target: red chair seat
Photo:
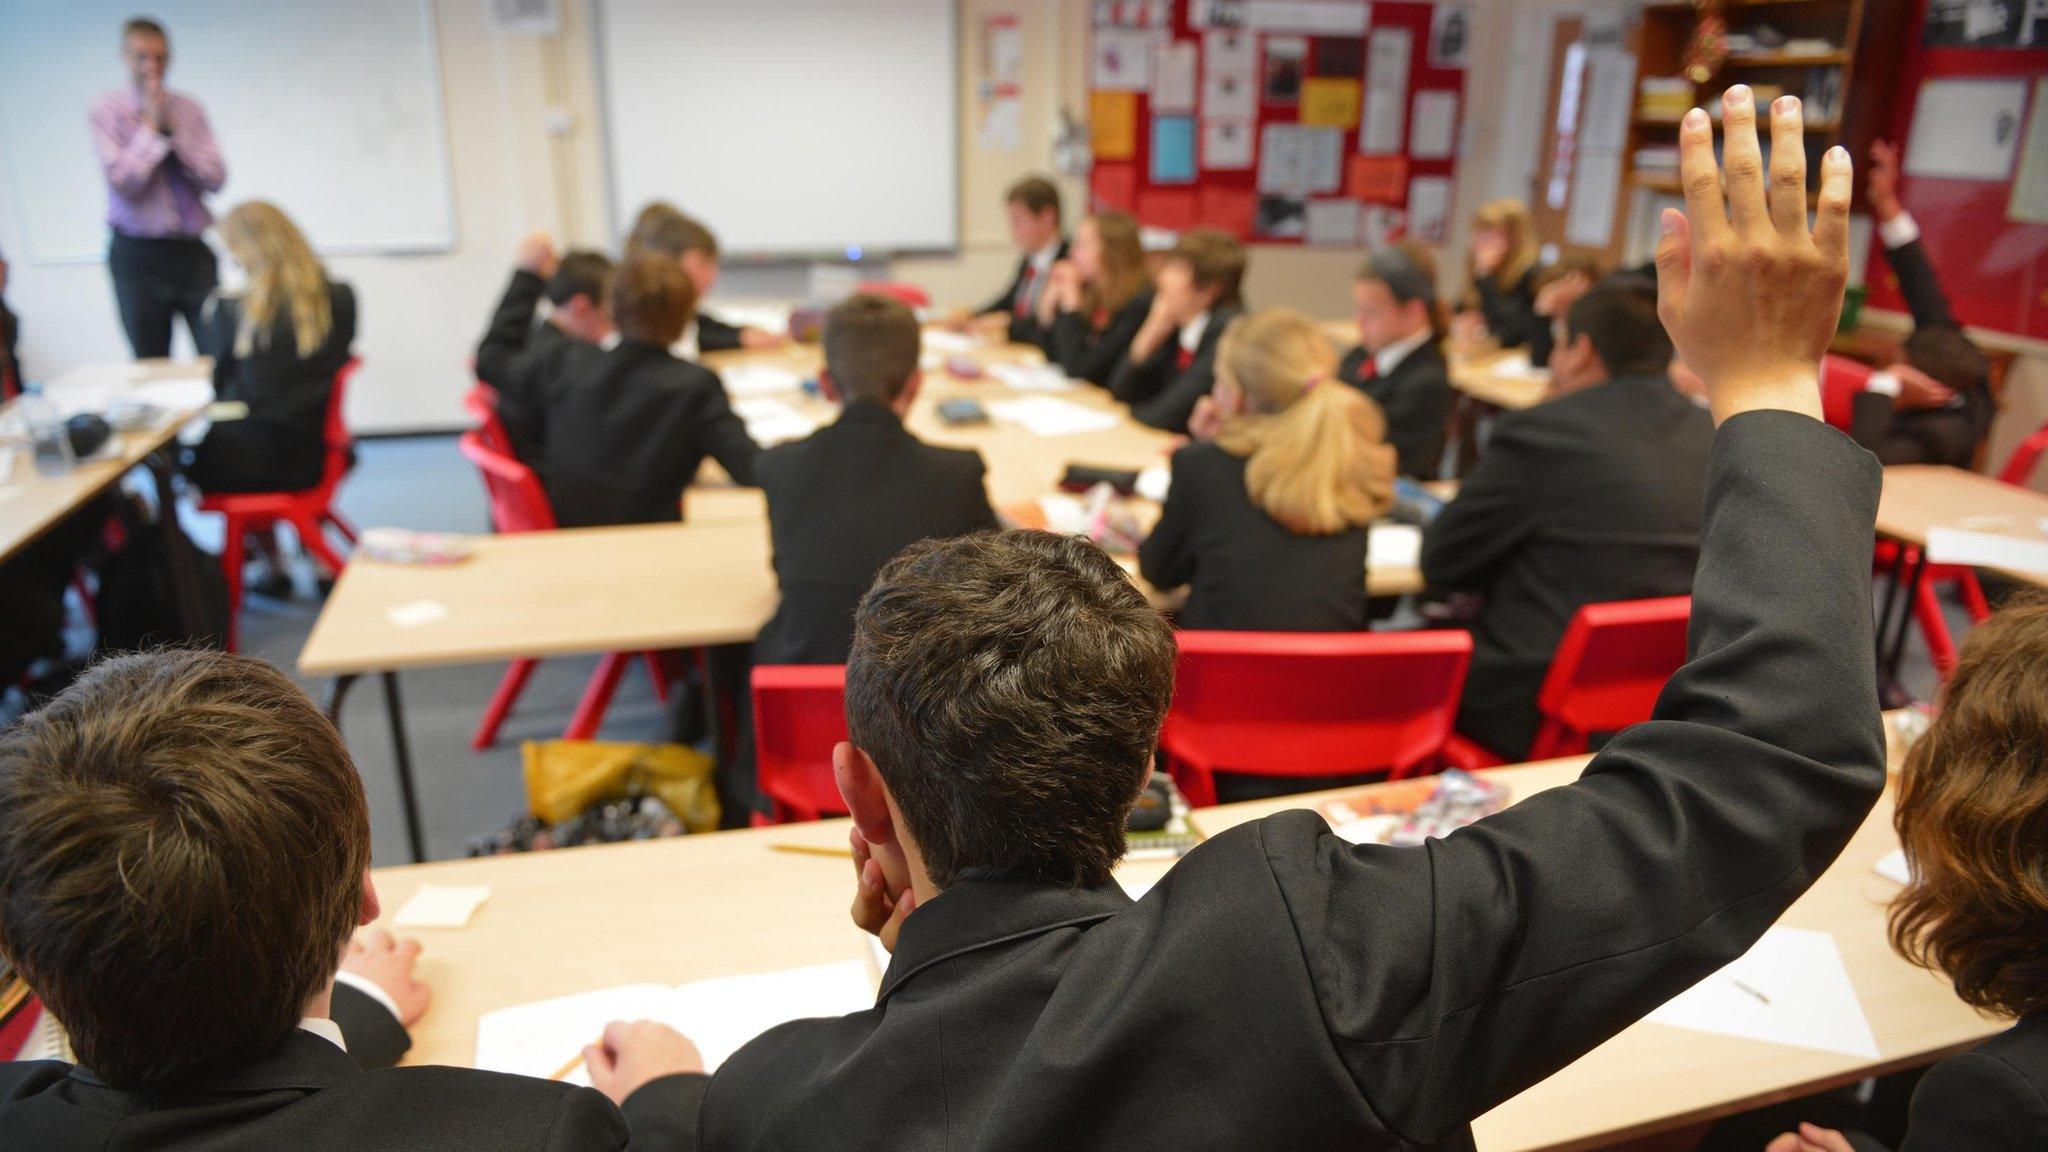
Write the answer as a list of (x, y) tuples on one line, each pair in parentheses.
[(799, 715), (1608, 671)]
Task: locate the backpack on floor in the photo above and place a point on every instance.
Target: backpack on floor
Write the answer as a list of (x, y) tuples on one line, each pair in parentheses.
[(139, 605)]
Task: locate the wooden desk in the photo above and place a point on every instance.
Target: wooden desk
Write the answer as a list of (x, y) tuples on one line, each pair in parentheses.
[(31, 503), (1921, 497), (728, 903), (1501, 379)]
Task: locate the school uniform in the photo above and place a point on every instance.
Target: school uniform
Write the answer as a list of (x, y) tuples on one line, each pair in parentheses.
[(1993, 1098), (1281, 988), (1411, 383), (1588, 498), (368, 1019), (1090, 347), (841, 503), (1163, 388), (1927, 436), (281, 445), (10, 363), (510, 357), (306, 1095), (715, 335), (1249, 573), (1020, 299), (1510, 310), (626, 429)]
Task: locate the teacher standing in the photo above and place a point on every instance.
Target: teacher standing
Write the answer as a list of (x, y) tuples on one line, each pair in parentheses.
[(160, 161)]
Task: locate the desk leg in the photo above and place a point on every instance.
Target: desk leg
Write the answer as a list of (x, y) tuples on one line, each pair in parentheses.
[(336, 695), (401, 753), (1907, 593), (1894, 580)]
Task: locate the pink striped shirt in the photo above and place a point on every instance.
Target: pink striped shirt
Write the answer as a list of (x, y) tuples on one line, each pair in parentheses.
[(156, 181)]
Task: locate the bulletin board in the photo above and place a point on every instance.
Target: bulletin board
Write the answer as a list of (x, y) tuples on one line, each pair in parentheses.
[(1982, 205), (1279, 121)]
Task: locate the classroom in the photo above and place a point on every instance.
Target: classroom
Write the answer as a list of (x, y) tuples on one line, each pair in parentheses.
[(1024, 574)]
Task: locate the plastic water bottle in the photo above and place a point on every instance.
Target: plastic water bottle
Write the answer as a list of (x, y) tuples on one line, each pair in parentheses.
[(50, 439)]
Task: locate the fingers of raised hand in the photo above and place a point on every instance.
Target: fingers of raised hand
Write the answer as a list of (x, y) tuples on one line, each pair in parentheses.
[(1788, 167)]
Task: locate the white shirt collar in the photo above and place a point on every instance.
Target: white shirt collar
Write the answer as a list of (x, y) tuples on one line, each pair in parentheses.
[(327, 1030), (1042, 260), (686, 347), (1191, 332), (1389, 358)]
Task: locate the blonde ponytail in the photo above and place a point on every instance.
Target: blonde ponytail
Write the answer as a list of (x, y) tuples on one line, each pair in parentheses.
[(1316, 454), (285, 278)]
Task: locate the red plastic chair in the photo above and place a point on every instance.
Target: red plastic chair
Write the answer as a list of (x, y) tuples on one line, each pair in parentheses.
[(520, 504), (1311, 704), (909, 294), (2019, 467), (1608, 670), (799, 714), (309, 512), (481, 402), (1841, 380)]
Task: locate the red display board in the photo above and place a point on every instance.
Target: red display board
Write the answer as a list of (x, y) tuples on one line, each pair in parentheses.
[(1995, 269), (1288, 91)]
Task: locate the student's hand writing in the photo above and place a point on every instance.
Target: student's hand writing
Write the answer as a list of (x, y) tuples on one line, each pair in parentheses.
[(536, 254), (631, 1055), (875, 909), (1811, 1138), (1751, 304), (388, 963), (1883, 184), (1919, 391)]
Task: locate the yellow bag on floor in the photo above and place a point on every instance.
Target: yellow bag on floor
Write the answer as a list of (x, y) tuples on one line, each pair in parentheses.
[(565, 777)]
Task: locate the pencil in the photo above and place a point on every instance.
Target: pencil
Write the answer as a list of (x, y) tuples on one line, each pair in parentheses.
[(574, 1063), (1750, 990), (841, 851)]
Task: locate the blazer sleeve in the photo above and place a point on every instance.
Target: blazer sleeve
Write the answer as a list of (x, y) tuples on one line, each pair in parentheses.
[(375, 1037), (1136, 381), (1973, 1100), (511, 324), (1418, 412), (1167, 557), (1511, 311), (723, 435), (715, 335), (1096, 359), (1921, 286), (587, 1122), (1452, 976), (1495, 512), (663, 1113)]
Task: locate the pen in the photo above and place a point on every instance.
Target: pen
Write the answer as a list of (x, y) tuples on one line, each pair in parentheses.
[(1752, 991)]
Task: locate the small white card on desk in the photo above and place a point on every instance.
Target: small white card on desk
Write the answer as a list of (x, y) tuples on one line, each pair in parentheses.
[(946, 341), (760, 380), (1892, 866), (1791, 988), (417, 613), (1393, 546), (1046, 416), (441, 906), (1990, 549)]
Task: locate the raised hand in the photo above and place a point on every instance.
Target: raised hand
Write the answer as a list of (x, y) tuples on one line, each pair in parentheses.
[(154, 103), (536, 254), (1883, 183), (1749, 294)]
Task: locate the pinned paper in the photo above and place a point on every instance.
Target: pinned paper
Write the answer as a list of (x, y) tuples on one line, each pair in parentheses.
[(1331, 222), (1226, 144), (1429, 208), (441, 906), (417, 613), (1377, 179), (1283, 217), (1329, 102), (1433, 133), (1791, 989), (1294, 159), (1123, 59), (1386, 95), (1173, 79), (1286, 62), (1321, 17), (1113, 123), (1173, 150), (1230, 52), (1450, 36), (1229, 97)]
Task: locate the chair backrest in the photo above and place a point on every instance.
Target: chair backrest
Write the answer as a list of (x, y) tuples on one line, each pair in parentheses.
[(799, 714), (1840, 380), (910, 294), (2019, 467), (1317, 704), (518, 502), (337, 444), (1610, 666), (481, 402)]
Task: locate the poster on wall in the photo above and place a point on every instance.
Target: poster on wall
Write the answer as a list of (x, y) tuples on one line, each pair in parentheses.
[(1386, 91), (1966, 129), (1450, 36), (1987, 24), (1173, 79), (1294, 159), (2029, 203), (1133, 13), (1286, 61), (1227, 144), (1123, 59)]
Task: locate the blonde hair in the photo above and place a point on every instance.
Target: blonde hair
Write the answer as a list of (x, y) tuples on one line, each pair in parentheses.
[(1317, 458), (285, 278), (1123, 261), (1511, 216)]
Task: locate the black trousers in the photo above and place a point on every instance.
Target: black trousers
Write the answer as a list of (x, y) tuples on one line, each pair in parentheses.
[(156, 280)]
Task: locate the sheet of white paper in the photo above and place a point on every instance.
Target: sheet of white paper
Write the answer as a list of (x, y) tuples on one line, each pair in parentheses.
[(878, 955), (1173, 79), (1046, 416), (1989, 549), (771, 421), (1065, 514), (1004, 41), (1332, 222), (441, 906), (1791, 988), (8, 456), (766, 315), (1892, 866), (760, 380), (723, 1014), (1002, 125), (1596, 190), (1966, 129), (1230, 51), (537, 1039), (1393, 546), (1155, 482), (417, 613), (1514, 363), (1298, 160), (1123, 59), (1386, 91), (1610, 99), (2030, 188), (947, 342), (174, 395), (1429, 208), (1229, 96), (1317, 17), (1033, 377), (1227, 144), (1433, 134)]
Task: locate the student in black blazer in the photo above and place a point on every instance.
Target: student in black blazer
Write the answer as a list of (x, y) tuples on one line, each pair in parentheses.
[(627, 427), (1592, 496), (184, 853), (1935, 407), (514, 347), (11, 380), (1975, 907), (1033, 208), (1399, 362), (1270, 507), (1501, 258), (1171, 363), (276, 348), (663, 229), (1281, 988), (1096, 300)]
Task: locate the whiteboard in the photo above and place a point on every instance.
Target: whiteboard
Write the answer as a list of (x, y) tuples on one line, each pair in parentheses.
[(333, 111), (791, 127)]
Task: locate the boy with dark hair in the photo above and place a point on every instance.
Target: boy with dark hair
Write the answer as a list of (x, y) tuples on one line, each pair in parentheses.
[(626, 428), (1399, 361), (1281, 988), (184, 854), (1032, 206), (1172, 361), (514, 346), (1591, 497), (664, 229)]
